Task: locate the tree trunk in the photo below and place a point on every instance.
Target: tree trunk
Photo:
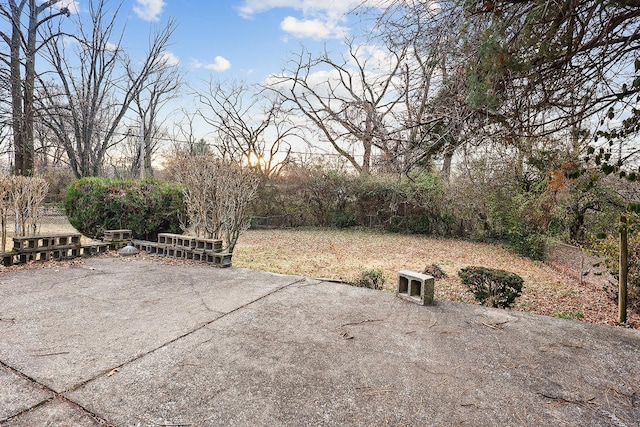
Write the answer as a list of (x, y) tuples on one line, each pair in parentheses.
[(16, 90), (446, 164)]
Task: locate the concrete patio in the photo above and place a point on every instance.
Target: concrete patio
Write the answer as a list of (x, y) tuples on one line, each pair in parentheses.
[(137, 342)]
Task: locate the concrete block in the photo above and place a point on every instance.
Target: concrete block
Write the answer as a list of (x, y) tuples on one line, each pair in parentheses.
[(43, 243), (117, 235), (169, 239), (199, 256), (186, 242), (139, 244), (415, 287), (164, 238), (174, 252), (219, 259), (212, 245)]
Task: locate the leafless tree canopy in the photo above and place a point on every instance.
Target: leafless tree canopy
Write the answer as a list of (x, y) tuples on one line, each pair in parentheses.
[(162, 85), (251, 128), (96, 84), (349, 101)]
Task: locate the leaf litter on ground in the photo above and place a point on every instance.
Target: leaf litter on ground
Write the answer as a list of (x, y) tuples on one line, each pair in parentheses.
[(343, 254)]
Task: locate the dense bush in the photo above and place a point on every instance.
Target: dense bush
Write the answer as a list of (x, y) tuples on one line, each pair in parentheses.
[(492, 287), (145, 207), (323, 197), (509, 197)]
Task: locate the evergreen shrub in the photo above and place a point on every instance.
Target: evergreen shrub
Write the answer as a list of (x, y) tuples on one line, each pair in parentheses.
[(492, 287), (147, 208)]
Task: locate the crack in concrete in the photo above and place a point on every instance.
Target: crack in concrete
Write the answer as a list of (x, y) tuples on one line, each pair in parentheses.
[(95, 417), (186, 334)]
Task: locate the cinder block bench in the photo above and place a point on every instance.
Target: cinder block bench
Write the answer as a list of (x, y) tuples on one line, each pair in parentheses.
[(44, 243), (415, 287)]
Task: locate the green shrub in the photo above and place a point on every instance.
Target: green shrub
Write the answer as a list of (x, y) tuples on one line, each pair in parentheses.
[(372, 279), (492, 287), (343, 219), (527, 243), (145, 207)]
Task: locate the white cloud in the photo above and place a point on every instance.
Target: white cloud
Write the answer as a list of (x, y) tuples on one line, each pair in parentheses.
[(168, 58), (320, 18), (111, 47), (313, 28), (219, 64), (149, 10), (308, 7)]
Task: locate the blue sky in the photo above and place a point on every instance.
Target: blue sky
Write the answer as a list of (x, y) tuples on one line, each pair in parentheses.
[(243, 40)]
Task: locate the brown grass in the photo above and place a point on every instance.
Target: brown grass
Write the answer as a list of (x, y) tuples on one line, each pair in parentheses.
[(343, 254)]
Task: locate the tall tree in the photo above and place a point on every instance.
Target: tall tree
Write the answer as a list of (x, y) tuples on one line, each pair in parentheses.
[(162, 86), (25, 17), (514, 70), (569, 59), (435, 118), (97, 82), (349, 100)]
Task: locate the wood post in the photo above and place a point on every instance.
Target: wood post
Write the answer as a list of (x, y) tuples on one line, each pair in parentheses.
[(624, 270)]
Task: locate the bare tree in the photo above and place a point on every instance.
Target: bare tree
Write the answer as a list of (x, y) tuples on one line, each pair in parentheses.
[(348, 101), (27, 195), (25, 19), (249, 127), (218, 194), (97, 84), (186, 141), (162, 86)]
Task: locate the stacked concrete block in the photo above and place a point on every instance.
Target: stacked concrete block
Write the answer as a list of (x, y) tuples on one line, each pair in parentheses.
[(117, 238), (186, 247), (67, 246), (44, 248), (415, 287), (60, 247)]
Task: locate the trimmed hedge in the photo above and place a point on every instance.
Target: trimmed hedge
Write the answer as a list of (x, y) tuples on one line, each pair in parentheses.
[(492, 287), (147, 208)]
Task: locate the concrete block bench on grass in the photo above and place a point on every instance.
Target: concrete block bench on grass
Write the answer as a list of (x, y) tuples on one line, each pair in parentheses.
[(415, 287)]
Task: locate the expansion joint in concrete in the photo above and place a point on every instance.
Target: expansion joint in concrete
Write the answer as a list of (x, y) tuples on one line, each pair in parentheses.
[(53, 395)]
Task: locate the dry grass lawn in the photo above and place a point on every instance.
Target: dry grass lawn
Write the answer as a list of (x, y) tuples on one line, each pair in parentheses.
[(343, 254)]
